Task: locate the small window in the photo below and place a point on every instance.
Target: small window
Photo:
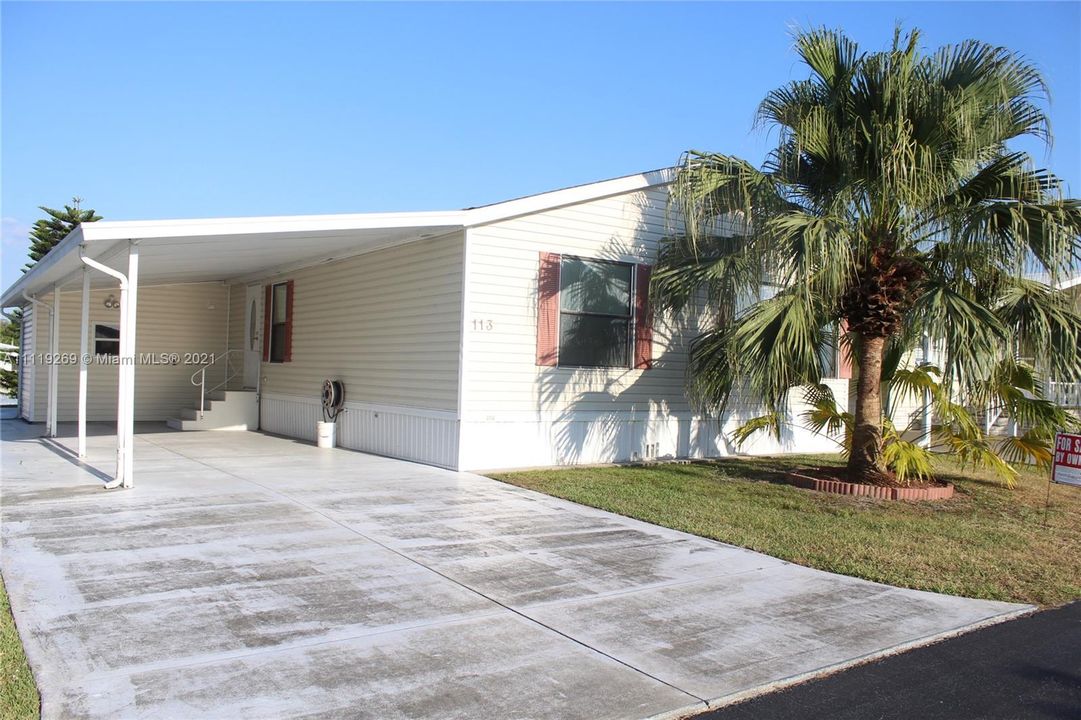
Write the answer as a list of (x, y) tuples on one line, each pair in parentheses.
[(253, 327), (106, 339), (595, 313), (278, 322)]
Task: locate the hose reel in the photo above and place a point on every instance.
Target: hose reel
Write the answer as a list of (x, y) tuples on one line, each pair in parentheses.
[(333, 399)]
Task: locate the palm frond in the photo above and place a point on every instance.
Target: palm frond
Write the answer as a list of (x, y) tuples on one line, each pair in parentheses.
[(1025, 449), (770, 422), (891, 207), (908, 461), (823, 415)]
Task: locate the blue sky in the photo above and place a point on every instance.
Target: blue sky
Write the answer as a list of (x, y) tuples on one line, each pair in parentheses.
[(155, 110)]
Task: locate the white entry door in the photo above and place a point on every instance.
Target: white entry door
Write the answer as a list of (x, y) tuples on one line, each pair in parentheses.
[(253, 336)]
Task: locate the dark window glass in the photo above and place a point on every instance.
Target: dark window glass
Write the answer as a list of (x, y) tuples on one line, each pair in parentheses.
[(593, 341), (277, 342), (828, 351), (277, 324), (106, 340), (595, 313)]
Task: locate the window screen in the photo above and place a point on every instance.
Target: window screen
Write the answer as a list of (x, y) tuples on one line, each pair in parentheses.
[(595, 313)]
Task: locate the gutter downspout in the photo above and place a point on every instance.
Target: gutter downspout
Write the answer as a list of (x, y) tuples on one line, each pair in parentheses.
[(122, 449), (50, 406)]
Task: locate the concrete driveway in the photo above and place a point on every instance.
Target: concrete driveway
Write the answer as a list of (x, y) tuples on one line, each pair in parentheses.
[(254, 576)]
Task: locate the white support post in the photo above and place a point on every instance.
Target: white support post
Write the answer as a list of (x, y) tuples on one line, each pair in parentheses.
[(84, 360), (129, 331), (121, 391), (50, 408), (54, 366), (926, 442)]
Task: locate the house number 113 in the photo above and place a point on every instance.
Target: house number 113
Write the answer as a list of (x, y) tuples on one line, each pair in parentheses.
[(483, 325)]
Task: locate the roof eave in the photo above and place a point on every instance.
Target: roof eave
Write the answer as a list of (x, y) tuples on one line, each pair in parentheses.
[(552, 200), (14, 294)]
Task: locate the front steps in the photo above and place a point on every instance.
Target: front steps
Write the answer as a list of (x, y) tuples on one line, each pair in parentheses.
[(225, 410)]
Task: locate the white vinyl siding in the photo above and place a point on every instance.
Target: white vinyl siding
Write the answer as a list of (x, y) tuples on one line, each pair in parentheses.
[(236, 322), (26, 370), (182, 319), (501, 373), (238, 318), (518, 414), (386, 323)]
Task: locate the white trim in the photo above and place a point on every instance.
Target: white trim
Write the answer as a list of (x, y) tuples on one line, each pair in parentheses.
[(54, 366), (50, 408), (463, 341), (19, 288), (1067, 284), (556, 199), (127, 369), (374, 407)]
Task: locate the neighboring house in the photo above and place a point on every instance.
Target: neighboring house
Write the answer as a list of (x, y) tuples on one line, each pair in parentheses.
[(1068, 392), (510, 335), (8, 355)]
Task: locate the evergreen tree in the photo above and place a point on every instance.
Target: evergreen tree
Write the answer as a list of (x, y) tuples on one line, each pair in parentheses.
[(45, 234), (49, 231), (9, 335)]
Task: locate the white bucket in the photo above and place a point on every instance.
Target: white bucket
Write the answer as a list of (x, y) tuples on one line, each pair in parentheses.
[(324, 433)]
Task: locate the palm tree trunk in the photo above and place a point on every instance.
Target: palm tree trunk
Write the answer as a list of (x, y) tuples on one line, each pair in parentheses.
[(865, 462)]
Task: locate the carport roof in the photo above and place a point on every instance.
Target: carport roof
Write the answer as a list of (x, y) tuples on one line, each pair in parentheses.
[(251, 248)]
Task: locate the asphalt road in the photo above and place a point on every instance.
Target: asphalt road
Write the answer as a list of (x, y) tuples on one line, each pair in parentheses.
[(1019, 670)]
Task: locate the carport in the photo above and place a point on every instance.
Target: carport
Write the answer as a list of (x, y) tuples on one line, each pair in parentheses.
[(129, 255)]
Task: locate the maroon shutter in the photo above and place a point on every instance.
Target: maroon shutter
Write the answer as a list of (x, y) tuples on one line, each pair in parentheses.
[(268, 308), (643, 320), (287, 355), (548, 309)]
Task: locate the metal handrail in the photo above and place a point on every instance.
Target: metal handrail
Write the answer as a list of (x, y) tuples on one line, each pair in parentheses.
[(230, 373), (1067, 394)]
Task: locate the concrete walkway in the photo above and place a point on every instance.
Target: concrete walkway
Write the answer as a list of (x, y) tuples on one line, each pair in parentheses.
[(253, 576)]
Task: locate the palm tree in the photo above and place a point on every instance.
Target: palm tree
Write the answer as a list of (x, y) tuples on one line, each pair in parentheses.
[(891, 206)]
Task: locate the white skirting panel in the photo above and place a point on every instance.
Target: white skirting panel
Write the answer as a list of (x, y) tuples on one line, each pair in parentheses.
[(518, 440), (426, 436), (617, 437)]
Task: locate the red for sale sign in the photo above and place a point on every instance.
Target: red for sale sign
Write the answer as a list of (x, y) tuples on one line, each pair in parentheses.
[(1067, 467)]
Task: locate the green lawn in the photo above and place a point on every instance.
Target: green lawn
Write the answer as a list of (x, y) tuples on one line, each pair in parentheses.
[(18, 695), (987, 542)]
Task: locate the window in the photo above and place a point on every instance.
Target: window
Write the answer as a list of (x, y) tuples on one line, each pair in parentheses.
[(106, 339), (827, 352), (833, 354), (253, 325), (279, 322), (595, 313)]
